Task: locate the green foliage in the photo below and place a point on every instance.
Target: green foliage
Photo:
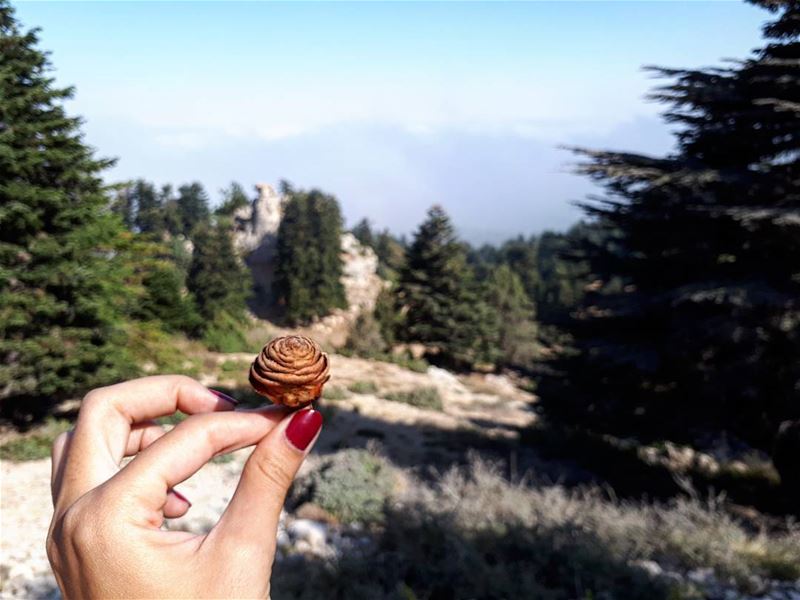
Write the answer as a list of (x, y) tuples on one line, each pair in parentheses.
[(365, 337), (692, 322), (149, 210), (363, 387), (233, 198), (61, 284), (335, 392), (516, 326), (387, 316), (352, 485), (34, 446), (363, 233), (224, 334), (217, 278), (234, 366), (192, 207), (166, 301), (423, 397), (390, 250), (440, 299), (309, 264)]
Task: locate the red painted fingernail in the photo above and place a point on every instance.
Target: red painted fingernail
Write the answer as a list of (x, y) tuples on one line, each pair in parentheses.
[(225, 397), (303, 427), (181, 497)]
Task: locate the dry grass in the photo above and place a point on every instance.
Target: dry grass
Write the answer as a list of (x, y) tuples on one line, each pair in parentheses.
[(473, 534)]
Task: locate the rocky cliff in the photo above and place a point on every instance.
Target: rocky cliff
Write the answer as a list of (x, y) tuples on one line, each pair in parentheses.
[(256, 235)]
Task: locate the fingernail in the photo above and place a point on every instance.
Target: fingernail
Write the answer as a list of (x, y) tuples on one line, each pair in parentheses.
[(303, 428), (225, 397), (181, 497)]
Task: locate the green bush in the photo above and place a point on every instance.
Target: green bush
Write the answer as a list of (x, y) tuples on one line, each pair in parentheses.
[(363, 387), (36, 445), (352, 485), (335, 392), (224, 334), (234, 366), (365, 338), (424, 397)]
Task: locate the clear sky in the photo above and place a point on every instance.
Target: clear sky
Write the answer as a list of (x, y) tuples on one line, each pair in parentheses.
[(390, 106)]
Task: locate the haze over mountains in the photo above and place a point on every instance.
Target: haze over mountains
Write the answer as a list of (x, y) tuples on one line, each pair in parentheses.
[(389, 107)]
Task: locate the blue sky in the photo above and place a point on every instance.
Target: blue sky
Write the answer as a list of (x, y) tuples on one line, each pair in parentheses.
[(390, 106)]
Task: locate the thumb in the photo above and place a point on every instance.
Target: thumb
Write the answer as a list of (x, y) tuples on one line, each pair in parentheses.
[(251, 519)]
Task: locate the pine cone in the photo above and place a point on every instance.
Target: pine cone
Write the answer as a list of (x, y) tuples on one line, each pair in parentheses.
[(290, 370)]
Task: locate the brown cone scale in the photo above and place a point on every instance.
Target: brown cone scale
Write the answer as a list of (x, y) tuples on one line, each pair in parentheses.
[(290, 370)]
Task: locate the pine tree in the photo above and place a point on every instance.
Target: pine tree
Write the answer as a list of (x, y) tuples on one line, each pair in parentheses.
[(217, 278), (149, 214), (522, 256), (124, 206), (233, 198), (693, 324), (309, 265), (192, 207), (440, 299), (363, 233), (515, 324), (60, 286)]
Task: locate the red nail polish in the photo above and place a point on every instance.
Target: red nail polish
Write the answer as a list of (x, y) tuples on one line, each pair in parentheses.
[(303, 428), (225, 397), (181, 497)]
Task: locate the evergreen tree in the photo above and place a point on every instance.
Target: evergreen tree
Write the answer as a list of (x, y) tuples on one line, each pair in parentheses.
[(439, 296), (192, 207), (233, 198), (692, 325), (522, 256), (60, 285), (563, 271), (149, 214), (124, 206), (309, 263), (515, 324), (363, 233), (217, 279)]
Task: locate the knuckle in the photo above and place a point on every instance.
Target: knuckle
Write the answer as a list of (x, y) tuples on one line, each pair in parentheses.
[(209, 427), (60, 442), (93, 399), (181, 381)]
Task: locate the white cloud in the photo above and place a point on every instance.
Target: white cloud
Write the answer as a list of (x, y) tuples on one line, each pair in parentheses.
[(550, 109)]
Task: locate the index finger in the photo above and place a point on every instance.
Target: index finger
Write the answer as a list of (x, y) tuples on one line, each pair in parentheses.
[(105, 419)]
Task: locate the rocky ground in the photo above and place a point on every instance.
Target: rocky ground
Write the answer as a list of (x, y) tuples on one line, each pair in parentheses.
[(489, 406), (479, 411)]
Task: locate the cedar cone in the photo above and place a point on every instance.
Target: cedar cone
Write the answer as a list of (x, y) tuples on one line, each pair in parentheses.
[(290, 370)]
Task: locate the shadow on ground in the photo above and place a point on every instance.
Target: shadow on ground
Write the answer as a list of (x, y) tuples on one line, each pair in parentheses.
[(569, 457)]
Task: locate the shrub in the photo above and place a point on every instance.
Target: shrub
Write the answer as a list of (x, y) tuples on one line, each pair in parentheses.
[(424, 397), (224, 334), (36, 445), (472, 534), (363, 387), (234, 366), (353, 485), (335, 392), (365, 338)]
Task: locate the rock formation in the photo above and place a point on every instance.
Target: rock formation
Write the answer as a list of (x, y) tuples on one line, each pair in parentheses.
[(256, 235)]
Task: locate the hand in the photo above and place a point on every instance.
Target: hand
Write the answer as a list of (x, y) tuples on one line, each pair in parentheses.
[(105, 539)]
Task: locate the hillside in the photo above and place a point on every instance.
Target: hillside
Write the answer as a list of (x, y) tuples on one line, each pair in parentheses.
[(384, 456)]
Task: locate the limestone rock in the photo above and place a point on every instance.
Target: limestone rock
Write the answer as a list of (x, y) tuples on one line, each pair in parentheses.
[(255, 236)]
